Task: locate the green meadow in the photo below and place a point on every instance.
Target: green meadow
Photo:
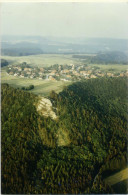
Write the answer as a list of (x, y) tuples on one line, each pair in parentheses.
[(42, 59), (111, 67), (42, 87)]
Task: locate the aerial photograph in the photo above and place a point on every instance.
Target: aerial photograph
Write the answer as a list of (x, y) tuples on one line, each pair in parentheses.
[(64, 90)]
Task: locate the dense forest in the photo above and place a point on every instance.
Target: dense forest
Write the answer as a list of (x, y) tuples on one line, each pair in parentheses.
[(30, 87), (20, 51), (113, 57), (91, 119), (4, 62)]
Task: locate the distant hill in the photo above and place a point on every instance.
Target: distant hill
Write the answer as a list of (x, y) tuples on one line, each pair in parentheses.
[(113, 57), (65, 45), (20, 51), (20, 48)]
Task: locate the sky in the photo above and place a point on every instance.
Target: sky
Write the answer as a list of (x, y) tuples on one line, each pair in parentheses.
[(108, 20)]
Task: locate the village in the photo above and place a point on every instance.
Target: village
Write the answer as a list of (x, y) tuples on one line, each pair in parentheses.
[(58, 72)]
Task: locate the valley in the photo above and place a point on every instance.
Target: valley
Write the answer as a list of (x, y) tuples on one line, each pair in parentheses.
[(52, 72)]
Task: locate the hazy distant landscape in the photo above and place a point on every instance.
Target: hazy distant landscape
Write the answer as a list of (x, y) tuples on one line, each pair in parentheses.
[(105, 63), (64, 75), (23, 45)]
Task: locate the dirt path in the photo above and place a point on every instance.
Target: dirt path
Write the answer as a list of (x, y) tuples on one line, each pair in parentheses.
[(118, 177), (45, 108)]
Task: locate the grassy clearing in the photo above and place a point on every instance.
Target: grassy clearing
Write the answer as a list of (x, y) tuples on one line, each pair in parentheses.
[(118, 177), (42, 87), (62, 138)]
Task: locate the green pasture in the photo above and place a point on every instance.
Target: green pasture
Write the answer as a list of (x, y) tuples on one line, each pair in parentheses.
[(42, 87), (42, 60), (109, 67)]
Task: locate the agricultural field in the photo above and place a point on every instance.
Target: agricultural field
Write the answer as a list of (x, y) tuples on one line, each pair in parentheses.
[(42, 87), (42, 60), (111, 67)]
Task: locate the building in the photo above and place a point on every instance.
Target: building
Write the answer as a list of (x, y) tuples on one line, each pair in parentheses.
[(63, 79), (11, 73), (52, 78), (121, 74), (19, 69), (59, 68), (76, 73), (109, 74), (57, 75), (28, 73), (85, 73), (22, 76), (93, 76), (72, 66), (100, 74), (69, 76), (89, 71), (52, 73), (65, 71), (27, 69), (40, 73), (42, 69)]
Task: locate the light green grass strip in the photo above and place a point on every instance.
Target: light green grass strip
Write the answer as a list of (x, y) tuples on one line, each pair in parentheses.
[(118, 177)]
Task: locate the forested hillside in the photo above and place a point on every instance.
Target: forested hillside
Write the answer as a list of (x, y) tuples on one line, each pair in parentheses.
[(91, 120), (111, 57)]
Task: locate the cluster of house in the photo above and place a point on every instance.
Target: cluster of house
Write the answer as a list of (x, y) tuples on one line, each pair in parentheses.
[(69, 73), (26, 72)]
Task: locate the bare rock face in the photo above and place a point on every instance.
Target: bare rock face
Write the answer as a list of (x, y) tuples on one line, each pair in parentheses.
[(44, 106)]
